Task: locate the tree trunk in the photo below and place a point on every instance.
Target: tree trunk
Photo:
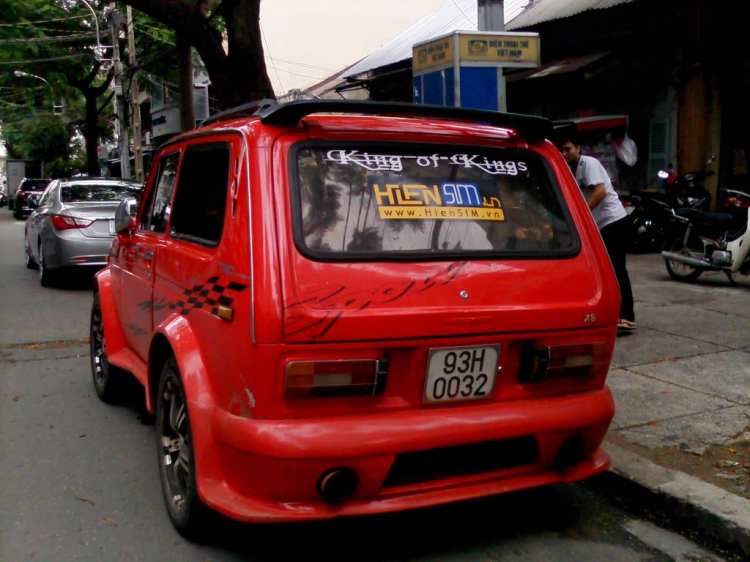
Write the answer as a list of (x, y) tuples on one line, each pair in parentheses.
[(245, 77), (239, 76)]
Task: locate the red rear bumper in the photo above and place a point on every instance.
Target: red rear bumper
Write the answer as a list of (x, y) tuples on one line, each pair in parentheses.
[(261, 470)]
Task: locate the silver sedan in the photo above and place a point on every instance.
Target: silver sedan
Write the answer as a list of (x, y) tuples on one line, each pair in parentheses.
[(73, 225)]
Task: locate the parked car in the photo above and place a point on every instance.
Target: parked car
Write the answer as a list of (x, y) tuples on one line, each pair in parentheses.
[(392, 307), (73, 225), (3, 199), (26, 197)]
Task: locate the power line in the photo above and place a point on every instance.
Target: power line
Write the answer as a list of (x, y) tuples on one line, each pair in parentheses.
[(48, 59), (54, 39), (268, 49), (302, 64), (464, 13), (157, 37), (41, 21), (301, 75), (143, 25)]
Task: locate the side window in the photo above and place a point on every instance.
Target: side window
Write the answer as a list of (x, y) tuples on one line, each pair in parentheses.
[(157, 209), (200, 202)]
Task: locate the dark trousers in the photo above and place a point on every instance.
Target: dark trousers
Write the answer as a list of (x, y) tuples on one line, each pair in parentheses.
[(615, 237)]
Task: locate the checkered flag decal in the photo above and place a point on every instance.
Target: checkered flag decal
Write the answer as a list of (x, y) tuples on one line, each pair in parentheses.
[(209, 294)]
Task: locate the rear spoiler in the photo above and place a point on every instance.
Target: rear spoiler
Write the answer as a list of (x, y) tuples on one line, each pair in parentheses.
[(289, 114)]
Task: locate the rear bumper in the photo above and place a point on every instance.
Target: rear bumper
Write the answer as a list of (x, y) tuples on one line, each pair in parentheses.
[(72, 249), (256, 470)]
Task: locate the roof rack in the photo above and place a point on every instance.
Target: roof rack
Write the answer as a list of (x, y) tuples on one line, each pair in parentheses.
[(245, 110), (533, 128)]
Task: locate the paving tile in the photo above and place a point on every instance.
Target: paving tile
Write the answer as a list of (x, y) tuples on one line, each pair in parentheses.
[(717, 427), (642, 400), (725, 374), (689, 321), (647, 346)]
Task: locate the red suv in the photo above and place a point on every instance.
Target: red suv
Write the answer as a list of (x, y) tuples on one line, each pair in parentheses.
[(342, 308)]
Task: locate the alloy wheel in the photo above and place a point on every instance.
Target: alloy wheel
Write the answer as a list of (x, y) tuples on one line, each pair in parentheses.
[(98, 348), (28, 260), (174, 434), (40, 262)]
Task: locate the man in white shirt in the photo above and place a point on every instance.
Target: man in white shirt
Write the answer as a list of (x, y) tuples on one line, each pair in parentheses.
[(608, 213)]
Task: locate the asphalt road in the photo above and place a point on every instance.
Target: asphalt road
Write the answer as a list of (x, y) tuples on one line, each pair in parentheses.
[(79, 481)]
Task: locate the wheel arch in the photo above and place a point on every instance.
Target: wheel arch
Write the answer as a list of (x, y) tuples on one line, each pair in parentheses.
[(175, 337)]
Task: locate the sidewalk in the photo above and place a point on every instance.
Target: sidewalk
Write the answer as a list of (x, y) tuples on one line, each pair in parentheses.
[(681, 381)]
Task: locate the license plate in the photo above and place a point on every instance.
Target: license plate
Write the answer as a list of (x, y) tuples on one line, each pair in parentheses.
[(461, 373), (112, 228)]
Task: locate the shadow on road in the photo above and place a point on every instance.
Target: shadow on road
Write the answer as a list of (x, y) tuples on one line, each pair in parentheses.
[(75, 281), (446, 532)]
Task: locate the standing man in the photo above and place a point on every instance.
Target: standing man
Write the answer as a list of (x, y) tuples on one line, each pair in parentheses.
[(608, 213)]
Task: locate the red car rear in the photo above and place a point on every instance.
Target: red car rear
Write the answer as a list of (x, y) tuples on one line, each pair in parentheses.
[(392, 307)]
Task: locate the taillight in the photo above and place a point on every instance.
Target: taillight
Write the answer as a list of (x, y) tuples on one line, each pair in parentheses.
[(736, 202), (322, 379), (62, 222), (582, 360)]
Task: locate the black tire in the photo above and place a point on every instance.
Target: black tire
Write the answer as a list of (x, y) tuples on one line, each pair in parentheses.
[(680, 271), (108, 379), (18, 215), (176, 455), (47, 278), (28, 260), (650, 239)]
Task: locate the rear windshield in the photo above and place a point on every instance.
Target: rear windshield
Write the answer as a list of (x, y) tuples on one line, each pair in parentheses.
[(401, 201), (98, 192), (34, 185)]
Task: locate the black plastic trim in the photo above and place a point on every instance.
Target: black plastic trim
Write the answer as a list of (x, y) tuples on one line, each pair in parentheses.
[(532, 127), (245, 110), (463, 460)]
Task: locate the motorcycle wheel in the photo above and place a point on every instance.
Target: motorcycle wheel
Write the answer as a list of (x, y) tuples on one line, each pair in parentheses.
[(680, 271)]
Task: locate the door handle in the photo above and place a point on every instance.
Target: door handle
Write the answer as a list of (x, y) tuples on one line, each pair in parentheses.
[(148, 255)]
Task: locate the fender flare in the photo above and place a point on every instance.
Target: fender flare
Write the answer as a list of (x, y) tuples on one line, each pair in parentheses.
[(115, 336), (182, 340)]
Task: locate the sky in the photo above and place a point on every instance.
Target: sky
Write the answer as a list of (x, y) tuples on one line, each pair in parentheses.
[(308, 40)]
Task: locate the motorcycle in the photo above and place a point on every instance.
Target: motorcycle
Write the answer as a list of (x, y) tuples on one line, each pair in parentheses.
[(651, 215), (711, 242)]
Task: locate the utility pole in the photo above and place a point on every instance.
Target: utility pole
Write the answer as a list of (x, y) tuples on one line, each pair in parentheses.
[(134, 97), (491, 17), (120, 128)]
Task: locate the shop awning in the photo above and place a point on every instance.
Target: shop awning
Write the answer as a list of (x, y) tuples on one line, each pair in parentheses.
[(557, 67)]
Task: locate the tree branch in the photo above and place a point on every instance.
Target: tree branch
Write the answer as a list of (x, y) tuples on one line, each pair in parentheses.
[(188, 18)]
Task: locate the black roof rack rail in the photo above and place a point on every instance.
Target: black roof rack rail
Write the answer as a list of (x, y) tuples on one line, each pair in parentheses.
[(533, 128), (245, 110)]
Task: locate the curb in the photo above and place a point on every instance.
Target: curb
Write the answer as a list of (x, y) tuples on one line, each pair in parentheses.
[(680, 498)]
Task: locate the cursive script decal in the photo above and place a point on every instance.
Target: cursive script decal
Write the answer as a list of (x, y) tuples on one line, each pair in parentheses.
[(338, 301)]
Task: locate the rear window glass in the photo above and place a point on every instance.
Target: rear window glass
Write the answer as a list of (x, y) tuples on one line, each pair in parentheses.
[(398, 201), (98, 192), (34, 185)]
